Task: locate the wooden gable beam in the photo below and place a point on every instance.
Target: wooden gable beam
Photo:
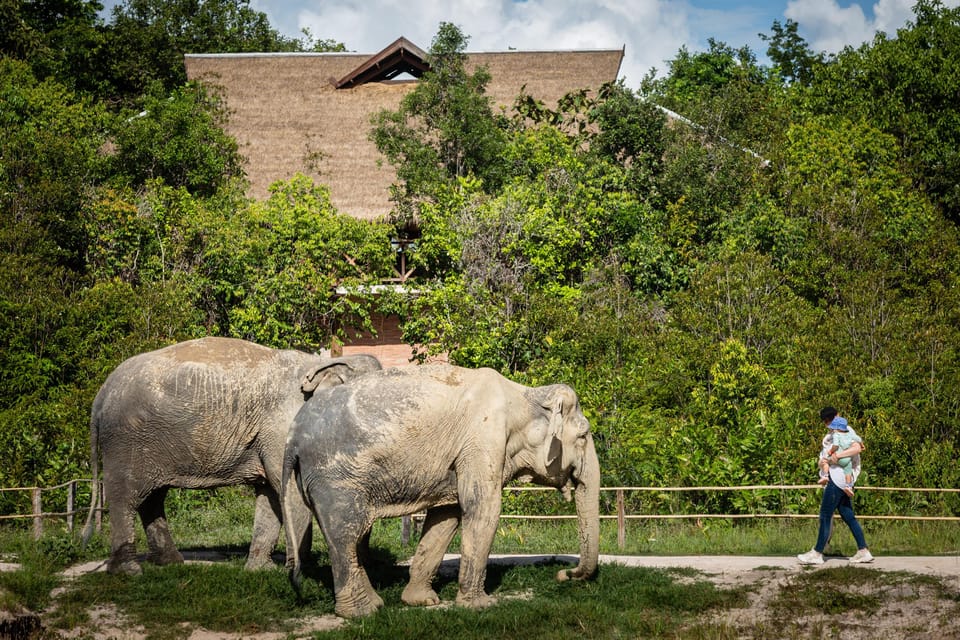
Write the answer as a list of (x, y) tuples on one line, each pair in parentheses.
[(400, 56)]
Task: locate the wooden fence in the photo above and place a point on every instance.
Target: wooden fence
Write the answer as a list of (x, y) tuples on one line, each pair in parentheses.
[(38, 514), (621, 516)]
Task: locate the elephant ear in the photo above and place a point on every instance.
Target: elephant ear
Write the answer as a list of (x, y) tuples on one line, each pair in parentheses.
[(326, 374), (554, 448), (563, 403)]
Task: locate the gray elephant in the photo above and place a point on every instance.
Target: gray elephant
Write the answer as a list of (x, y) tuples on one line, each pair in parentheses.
[(203, 413), (444, 439)]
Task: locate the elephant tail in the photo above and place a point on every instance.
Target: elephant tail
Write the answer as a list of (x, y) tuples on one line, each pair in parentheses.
[(95, 492), (290, 492)]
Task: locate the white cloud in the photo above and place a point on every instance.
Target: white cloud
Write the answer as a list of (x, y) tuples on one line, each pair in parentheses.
[(828, 26), (651, 30)]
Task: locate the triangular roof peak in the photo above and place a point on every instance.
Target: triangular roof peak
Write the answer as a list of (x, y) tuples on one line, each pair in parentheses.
[(400, 56)]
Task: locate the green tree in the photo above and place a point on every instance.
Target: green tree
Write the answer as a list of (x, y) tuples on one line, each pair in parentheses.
[(792, 57), (57, 38), (146, 40), (179, 138), (733, 433), (445, 128), (511, 257), (905, 86), (727, 121), (292, 270), (630, 131), (50, 165), (744, 298)]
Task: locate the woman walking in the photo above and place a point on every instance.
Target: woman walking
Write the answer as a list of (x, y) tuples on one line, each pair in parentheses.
[(835, 499)]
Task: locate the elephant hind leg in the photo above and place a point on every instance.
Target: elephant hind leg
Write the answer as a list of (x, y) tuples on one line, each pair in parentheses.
[(154, 517), (123, 548), (438, 529), (345, 533)]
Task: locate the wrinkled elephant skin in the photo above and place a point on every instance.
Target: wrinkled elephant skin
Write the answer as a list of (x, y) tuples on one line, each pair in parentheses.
[(442, 439), (203, 413)]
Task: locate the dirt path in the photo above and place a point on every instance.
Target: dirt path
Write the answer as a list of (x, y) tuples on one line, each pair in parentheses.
[(945, 566)]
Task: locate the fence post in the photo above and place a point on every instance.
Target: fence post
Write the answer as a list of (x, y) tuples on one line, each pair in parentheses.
[(37, 513), (71, 493), (621, 520)]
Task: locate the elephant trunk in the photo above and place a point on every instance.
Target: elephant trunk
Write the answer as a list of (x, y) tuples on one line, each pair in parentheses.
[(587, 497)]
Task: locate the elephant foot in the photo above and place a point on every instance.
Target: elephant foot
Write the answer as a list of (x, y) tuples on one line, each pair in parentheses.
[(124, 567), (165, 557), (123, 561), (364, 605), (257, 561), (475, 601), (571, 574), (419, 596)]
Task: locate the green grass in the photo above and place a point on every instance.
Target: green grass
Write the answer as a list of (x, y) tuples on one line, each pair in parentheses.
[(219, 597), (621, 602), (41, 561), (626, 602)]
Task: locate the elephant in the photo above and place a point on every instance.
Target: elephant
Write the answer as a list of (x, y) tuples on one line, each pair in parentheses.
[(439, 438), (198, 414)]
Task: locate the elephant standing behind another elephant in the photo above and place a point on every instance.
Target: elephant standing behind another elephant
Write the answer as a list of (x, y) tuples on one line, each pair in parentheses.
[(441, 438), (204, 413)]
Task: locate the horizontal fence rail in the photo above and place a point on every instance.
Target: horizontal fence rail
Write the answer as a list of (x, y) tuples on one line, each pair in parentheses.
[(621, 516), (38, 514)]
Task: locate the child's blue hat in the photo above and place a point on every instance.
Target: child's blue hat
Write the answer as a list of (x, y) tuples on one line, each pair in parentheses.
[(838, 424)]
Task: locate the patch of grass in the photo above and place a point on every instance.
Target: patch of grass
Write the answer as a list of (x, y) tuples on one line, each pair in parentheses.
[(40, 563), (621, 602), (722, 537), (219, 597)]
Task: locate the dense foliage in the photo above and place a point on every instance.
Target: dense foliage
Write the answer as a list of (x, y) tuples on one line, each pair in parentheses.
[(707, 259)]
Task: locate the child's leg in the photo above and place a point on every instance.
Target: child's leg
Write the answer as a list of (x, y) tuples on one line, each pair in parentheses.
[(848, 489), (824, 472)]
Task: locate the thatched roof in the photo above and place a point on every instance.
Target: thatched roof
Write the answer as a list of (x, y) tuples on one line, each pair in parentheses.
[(288, 115)]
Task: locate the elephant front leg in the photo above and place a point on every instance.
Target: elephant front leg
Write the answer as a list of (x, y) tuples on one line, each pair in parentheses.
[(154, 517), (481, 513), (266, 528), (438, 529)]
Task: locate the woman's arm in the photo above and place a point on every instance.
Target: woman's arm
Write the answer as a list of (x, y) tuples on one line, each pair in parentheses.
[(852, 450)]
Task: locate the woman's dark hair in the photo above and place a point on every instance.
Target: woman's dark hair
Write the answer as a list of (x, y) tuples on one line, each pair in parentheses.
[(828, 413)]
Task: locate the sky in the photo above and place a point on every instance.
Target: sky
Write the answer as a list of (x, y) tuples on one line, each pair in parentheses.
[(650, 31)]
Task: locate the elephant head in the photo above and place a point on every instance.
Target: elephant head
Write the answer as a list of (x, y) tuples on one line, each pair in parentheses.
[(569, 458), (335, 371)]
